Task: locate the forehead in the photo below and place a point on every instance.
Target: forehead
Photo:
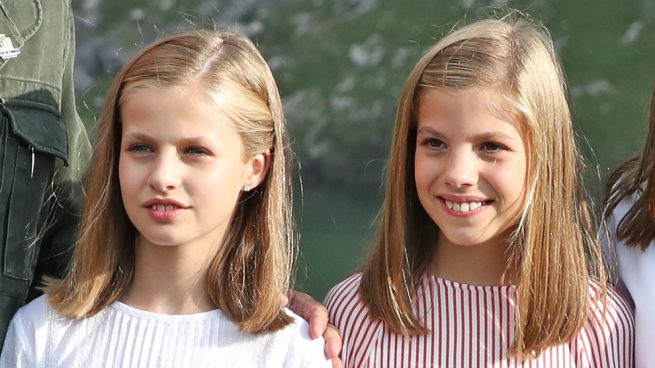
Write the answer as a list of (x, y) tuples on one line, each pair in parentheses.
[(173, 111), (194, 94), (476, 105), (489, 99)]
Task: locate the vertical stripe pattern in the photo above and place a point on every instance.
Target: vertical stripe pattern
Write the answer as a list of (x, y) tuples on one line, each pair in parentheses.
[(474, 326)]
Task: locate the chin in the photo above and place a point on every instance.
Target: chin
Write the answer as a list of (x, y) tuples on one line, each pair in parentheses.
[(163, 241), (465, 241)]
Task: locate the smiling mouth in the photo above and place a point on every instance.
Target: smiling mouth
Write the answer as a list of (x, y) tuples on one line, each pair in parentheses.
[(464, 207)]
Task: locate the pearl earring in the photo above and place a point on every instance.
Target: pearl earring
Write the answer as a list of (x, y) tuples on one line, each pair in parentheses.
[(246, 188)]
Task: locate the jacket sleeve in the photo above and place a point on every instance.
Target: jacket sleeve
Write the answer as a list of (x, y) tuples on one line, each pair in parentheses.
[(65, 203), (79, 148)]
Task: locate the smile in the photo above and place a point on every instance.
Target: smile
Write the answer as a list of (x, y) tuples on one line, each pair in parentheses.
[(463, 206)]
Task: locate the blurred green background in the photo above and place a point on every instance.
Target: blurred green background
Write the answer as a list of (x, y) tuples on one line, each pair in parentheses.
[(340, 65)]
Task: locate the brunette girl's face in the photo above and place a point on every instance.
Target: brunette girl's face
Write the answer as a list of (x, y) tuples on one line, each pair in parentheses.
[(470, 166), (181, 165)]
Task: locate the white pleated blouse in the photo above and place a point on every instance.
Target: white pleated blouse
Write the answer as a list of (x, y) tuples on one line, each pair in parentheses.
[(122, 336)]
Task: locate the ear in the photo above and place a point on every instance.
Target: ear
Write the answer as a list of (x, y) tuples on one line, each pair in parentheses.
[(257, 168)]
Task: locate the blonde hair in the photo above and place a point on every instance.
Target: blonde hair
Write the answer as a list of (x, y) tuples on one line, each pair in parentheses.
[(253, 265), (636, 176), (554, 246)]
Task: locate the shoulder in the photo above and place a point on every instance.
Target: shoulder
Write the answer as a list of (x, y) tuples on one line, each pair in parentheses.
[(27, 333), (33, 315), (344, 301), (348, 312), (350, 283), (609, 311), (608, 227), (608, 334), (287, 347), (629, 265), (622, 208), (303, 350)]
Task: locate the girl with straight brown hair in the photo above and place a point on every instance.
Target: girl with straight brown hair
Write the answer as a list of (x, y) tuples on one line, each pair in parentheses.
[(186, 241), (630, 219), (486, 253)]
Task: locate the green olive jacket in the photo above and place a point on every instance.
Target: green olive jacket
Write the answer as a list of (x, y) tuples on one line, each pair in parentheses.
[(43, 148)]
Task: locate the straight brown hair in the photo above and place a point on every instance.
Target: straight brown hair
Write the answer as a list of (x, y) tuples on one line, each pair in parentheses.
[(554, 244), (252, 267)]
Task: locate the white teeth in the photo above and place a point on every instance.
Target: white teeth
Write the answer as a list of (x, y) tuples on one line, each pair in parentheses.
[(162, 207), (464, 206)]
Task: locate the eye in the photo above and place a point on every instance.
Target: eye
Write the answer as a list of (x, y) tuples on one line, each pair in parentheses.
[(492, 147), (434, 143), (139, 148), (196, 151)]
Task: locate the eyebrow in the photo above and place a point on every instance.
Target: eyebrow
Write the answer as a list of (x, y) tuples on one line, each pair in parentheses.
[(494, 135), (137, 136), (185, 141), (428, 130)]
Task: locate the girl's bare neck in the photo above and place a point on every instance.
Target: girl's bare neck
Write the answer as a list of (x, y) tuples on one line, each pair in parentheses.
[(484, 264), (170, 279)]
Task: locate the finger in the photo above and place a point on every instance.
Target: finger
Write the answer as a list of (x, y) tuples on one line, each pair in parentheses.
[(336, 363), (318, 321), (332, 342), (297, 301), (310, 310), (284, 300)]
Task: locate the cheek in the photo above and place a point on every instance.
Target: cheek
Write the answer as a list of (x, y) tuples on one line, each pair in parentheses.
[(510, 181), (422, 172), (128, 176), (520, 176), (221, 183), (122, 174)]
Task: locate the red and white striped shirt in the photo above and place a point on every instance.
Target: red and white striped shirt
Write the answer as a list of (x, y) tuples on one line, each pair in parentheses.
[(473, 326)]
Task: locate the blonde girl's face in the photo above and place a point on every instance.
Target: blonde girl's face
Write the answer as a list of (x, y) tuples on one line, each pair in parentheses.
[(470, 166), (181, 166)]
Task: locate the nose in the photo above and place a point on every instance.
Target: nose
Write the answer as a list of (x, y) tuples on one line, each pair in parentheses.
[(165, 173), (461, 169)]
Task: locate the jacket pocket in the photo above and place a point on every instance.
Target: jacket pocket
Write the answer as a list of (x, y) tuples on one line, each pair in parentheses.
[(34, 138), (19, 20)]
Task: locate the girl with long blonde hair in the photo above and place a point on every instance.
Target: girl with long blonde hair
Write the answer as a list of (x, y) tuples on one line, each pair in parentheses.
[(486, 253), (186, 241)]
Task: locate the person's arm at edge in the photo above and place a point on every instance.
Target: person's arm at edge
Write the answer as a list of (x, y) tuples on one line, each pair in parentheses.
[(317, 315)]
